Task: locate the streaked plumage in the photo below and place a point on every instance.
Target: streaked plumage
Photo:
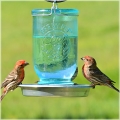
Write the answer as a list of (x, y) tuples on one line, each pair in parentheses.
[(92, 73), (14, 78)]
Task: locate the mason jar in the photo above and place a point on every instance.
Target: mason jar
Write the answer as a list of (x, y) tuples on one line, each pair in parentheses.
[(55, 40)]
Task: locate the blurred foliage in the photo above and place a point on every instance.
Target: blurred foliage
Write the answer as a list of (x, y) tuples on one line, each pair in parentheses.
[(98, 37)]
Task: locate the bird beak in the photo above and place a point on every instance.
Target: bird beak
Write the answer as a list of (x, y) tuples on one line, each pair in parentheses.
[(82, 58), (26, 64)]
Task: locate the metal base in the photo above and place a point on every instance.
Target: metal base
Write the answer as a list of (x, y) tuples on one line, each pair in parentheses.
[(55, 90)]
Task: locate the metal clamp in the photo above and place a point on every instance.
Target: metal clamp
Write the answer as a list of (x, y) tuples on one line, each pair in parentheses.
[(56, 1)]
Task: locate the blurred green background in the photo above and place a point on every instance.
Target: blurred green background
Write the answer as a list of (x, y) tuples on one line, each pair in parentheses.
[(98, 37)]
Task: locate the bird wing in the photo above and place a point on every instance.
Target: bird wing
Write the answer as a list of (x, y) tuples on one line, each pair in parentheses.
[(12, 76), (99, 76), (12, 85)]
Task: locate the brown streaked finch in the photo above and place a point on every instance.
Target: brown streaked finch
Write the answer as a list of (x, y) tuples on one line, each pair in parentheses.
[(14, 78), (92, 73)]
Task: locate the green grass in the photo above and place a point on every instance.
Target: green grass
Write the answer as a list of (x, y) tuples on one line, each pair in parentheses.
[(98, 37)]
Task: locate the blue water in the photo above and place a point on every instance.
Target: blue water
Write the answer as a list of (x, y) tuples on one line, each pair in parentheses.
[(55, 59)]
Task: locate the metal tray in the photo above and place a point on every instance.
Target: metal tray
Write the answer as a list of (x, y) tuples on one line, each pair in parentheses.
[(56, 90)]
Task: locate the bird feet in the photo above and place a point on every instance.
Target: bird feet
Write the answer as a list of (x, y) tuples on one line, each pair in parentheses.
[(93, 86), (76, 84)]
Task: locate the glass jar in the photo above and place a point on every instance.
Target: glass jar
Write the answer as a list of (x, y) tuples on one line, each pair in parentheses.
[(55, 39)]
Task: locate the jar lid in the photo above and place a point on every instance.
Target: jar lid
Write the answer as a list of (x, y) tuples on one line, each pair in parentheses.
[(47, 12)]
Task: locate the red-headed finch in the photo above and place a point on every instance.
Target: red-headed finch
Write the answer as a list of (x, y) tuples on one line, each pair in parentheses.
[(14, 78), (92, 73)]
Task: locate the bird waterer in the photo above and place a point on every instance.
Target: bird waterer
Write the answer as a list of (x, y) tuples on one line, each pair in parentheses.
[(55, 40)]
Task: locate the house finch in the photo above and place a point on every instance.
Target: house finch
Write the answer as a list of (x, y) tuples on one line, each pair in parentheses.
[(92, 73), (14, 78)]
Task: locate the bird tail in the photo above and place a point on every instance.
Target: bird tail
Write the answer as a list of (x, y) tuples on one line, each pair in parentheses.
[(113, 87), (2, 96)]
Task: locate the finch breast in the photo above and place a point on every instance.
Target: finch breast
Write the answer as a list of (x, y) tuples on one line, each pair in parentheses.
[(86, 72)]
